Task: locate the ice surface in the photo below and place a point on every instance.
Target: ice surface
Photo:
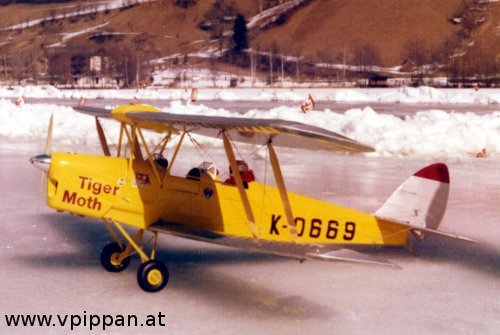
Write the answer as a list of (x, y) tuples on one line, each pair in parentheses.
[(51, 260)]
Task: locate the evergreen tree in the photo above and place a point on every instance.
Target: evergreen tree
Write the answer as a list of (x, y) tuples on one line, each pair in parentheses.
[(240, 37)]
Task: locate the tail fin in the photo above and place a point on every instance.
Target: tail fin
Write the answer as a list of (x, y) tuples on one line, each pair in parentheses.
[(421, 200)]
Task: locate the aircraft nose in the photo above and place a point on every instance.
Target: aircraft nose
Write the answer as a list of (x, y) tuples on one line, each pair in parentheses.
[(41, 162)]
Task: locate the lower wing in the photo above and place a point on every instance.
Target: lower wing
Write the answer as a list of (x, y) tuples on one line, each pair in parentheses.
[(298, 251)]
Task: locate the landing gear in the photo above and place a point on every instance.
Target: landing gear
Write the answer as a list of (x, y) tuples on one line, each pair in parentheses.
[(111, 258), (152, 276)]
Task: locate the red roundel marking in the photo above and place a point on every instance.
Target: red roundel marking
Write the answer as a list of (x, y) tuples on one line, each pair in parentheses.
[(437, 172)]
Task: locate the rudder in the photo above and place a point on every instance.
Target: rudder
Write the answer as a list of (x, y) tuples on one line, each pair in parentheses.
[(421, 200)]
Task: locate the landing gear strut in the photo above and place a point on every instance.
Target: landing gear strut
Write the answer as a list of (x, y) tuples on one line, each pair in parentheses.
[(152, 275)]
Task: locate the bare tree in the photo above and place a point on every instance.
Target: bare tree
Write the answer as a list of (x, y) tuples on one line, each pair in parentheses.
[(218, 16), (365, 57), (59, 68), (417, 53), (213, 68), (184, 3), (273, 51), (298, 63), (326, 58)]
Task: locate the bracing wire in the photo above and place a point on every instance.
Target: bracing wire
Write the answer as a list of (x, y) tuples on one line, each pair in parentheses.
[(108, 137), (264, 194), (203, 152)]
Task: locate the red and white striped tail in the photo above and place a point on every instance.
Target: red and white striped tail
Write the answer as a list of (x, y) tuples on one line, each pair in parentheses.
[(421, 200)]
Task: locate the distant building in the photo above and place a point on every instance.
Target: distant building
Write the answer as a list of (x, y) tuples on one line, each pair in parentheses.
[(95, 64), (377, 80), (97, 82)]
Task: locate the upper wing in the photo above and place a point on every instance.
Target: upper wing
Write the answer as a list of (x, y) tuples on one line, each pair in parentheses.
[(254, 131)]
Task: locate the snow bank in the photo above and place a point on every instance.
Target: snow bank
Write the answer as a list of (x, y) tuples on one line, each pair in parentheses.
[(432, 133), (385, 95), (29, 123), (40, 91)]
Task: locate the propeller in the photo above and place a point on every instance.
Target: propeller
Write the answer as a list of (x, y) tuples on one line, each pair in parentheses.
[(48, 150), (42, 162), (48, 140)]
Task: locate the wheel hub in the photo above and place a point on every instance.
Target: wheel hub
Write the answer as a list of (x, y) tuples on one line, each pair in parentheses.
[(154, 277), (115, 259)]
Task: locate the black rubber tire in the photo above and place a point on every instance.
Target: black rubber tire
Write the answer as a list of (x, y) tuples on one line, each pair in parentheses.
[(144, 274), (106, 256)]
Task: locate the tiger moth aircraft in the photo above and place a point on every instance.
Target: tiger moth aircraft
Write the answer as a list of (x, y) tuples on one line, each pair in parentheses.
[(135, 188)]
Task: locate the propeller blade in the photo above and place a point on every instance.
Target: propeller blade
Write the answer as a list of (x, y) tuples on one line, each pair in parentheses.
[(102, 138), (43, 185), (48, 151), (42, 162), (48, 141)]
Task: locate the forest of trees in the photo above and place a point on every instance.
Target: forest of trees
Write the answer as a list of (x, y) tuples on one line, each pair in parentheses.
[(128, 64), (8, 2)]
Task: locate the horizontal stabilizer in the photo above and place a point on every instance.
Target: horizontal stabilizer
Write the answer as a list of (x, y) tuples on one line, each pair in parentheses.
[(443, 234), (421, 231)]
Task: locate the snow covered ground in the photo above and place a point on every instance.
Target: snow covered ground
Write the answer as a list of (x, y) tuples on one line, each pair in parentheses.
[(78, 10), (385, 95), (51, 260)]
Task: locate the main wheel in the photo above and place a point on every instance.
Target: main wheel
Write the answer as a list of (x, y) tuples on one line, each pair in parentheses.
[(152, 276), (110, 258)]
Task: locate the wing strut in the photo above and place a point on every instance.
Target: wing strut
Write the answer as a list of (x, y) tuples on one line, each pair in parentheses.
[(150, 157), (177, 148), (239, 183), (120, 138), (102, 137), (278, 176)]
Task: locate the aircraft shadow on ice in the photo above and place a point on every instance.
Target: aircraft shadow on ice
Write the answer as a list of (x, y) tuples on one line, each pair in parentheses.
[(89, 239), (193, 275)]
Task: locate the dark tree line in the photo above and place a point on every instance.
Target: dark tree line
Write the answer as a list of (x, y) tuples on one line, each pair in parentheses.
[(240, 34), (8, 2)]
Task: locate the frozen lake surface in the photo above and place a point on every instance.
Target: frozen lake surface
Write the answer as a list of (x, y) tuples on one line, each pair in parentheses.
[(51, 260)]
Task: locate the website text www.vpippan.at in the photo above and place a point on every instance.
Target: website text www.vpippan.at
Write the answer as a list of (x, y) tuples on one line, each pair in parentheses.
[(100, 322)]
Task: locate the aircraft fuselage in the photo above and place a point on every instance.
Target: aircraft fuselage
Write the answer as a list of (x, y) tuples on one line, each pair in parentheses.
[(129, 192)]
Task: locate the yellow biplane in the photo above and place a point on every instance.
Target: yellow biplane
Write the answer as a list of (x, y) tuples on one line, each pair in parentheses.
[(135, 188)]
